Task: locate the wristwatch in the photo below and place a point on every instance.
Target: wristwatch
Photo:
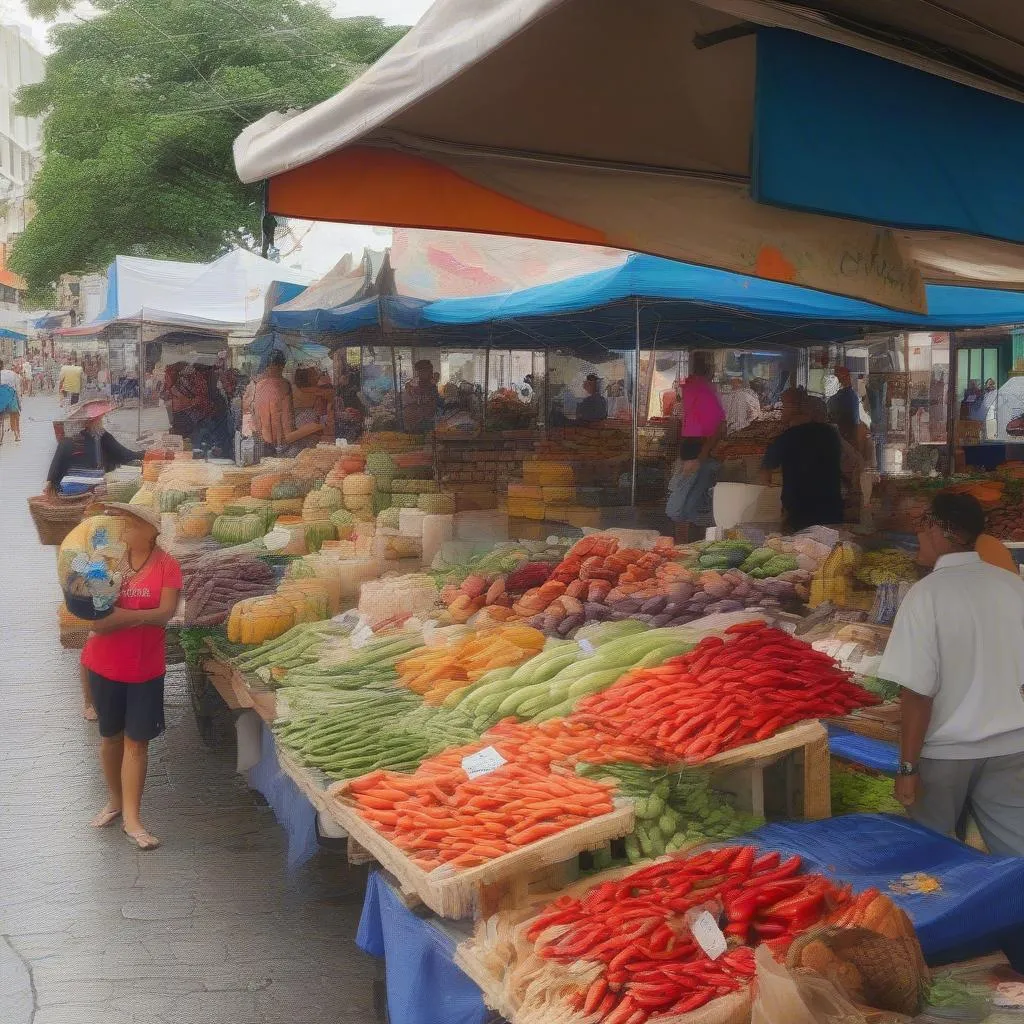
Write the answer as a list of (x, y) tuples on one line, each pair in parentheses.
[(906, 768)]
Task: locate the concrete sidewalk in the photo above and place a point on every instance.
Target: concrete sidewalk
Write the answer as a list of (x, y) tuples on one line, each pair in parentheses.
[(209, 928)]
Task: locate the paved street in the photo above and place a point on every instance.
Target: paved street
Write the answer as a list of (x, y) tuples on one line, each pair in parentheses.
[(209, 928)]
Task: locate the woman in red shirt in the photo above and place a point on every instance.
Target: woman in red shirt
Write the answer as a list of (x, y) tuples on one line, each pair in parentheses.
[(126, 662)]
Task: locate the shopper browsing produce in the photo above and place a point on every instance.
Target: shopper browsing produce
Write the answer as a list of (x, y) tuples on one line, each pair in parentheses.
[(809, 453), (126, 663), (957, 649)]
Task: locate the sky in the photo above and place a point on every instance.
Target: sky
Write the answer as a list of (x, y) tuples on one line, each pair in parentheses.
[(311, 247)]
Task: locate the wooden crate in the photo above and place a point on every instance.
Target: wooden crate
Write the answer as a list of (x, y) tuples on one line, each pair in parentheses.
[(881, 722), (501, 883), (241, 692), (795, 758)]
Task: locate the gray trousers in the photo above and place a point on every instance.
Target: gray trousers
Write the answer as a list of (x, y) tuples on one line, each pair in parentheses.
[(990, 789)]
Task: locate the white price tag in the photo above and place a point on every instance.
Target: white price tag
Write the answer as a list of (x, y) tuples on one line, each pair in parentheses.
[(483, 762), (708, 935), (361, 637), (585, 645)]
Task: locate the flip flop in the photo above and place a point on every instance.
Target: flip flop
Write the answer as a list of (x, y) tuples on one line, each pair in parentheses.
[(106, 817), (143, 840)]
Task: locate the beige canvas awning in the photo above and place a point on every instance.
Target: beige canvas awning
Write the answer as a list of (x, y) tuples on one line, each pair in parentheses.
[(626, 125)]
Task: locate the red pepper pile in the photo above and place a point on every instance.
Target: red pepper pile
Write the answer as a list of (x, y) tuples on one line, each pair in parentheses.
[(724, 695), (635, 927)]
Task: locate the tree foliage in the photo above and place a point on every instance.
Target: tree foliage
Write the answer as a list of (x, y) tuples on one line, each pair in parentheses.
[(142, 104)]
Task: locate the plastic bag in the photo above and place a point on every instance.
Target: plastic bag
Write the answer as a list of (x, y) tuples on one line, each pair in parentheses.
[(785, 997)]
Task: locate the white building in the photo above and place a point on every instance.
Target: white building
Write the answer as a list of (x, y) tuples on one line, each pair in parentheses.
[(20, 137)]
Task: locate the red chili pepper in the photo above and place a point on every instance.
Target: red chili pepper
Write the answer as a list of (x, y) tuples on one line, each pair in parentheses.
[(784, 870), (770, 929), (595, 994), (622, 1012), (767, 861), (769, 728)]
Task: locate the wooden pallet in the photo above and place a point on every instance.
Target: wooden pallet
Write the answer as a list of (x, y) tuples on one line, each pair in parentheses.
[(502, 882)]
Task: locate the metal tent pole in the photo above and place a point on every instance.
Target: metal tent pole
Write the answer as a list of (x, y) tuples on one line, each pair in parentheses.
[(636, 401), (142, 376)]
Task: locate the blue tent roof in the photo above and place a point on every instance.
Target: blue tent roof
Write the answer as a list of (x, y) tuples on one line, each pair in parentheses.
[(653, 279), (395, 310), (677, 303)]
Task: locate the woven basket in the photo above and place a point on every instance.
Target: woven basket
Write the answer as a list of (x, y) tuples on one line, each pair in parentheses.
[(56, 517), (73, 631)]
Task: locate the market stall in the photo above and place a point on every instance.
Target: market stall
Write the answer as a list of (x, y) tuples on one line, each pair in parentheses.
[(502, 723)]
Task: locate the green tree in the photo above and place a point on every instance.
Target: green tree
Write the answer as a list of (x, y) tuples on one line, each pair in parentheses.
[(142, 104)]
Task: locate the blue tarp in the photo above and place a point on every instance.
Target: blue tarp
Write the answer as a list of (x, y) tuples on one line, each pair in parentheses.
[(424, 985), (876, 754), (840, 131), (294, 812), (979, 909)]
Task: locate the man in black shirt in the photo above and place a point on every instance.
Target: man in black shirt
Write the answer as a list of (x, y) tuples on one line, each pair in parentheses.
[(809, 454), (593, 407)]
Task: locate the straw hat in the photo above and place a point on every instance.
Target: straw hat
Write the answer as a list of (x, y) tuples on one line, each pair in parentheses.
[(92, 410), (147, 515)]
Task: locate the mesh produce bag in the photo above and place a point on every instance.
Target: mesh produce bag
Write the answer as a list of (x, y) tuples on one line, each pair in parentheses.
[(793, 997), (887, 973)]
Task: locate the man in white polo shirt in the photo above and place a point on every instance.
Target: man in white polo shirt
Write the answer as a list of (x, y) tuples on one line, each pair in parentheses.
[(957, 649)]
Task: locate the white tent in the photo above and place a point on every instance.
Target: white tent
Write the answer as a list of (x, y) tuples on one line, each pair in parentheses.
[(223, 295)]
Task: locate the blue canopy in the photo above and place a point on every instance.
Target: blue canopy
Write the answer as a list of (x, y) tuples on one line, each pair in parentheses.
[(394, 310), (687, 304), (6, 332), (677, 303)]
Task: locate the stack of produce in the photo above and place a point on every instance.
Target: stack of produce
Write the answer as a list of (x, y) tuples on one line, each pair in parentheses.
[(833, 582), (600, 580), (386, 602), (357, 490), (309, 597), (855, 792), (436, 673), (293, 535), (214, 582), (349, 733), (195, 520), (444, 817), (322, 503), (725, 695), (674, 810), (230, 529), (257, 619), (622, 950), (551, 684), (350, 668), (886, 565), (302, 645), (322, 459), (219, 496)]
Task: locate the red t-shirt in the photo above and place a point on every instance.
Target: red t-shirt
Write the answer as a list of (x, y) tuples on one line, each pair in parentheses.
[(136, 655)]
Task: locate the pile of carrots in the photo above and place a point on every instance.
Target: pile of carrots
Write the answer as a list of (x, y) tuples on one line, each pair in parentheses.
[(446, 818), (723, 695), (436, 672), (562, 741)]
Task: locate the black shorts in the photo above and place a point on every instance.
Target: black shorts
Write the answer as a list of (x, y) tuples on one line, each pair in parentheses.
[(136, 709), (73, 399)]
